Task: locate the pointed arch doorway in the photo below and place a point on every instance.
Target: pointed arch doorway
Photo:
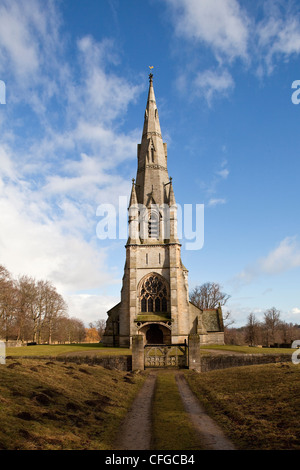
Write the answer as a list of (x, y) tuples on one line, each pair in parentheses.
[(154, 335)]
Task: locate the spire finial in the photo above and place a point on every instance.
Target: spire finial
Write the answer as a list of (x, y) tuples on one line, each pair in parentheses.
[(150, 74)]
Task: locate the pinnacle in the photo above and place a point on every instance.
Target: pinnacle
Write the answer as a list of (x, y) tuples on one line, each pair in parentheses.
[(151, 122), (172, 201), (133, 198)]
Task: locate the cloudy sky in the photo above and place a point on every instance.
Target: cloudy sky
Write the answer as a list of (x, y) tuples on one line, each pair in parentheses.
[(76, 79)]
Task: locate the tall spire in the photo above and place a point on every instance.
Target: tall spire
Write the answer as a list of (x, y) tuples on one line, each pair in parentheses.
[(151, 121), (152, 173)]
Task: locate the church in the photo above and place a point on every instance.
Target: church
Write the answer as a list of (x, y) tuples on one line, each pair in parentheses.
[(155, 294)]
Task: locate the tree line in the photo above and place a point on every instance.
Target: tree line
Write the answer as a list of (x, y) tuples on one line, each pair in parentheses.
[(271, 331), (33, 311)]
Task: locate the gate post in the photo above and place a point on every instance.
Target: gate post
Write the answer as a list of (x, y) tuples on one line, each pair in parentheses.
[(194, 353), (138, 360)]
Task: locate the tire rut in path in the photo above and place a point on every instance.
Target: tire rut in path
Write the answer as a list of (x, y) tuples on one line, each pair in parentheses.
[(209, 432), (135, 432)]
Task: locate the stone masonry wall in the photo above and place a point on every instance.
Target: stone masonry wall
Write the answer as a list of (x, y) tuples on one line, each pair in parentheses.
[(108, 362), (214, 362), (208, 363)]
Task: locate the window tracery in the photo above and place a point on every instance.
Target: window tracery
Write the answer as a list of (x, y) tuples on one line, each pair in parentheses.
[(154, 294)]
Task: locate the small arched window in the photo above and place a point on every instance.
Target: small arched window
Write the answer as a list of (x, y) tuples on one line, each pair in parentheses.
[(152, 154), (153, 225)]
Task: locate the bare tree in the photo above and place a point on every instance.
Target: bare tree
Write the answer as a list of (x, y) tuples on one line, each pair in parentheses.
[(227, 319), (8, 303), (251, 330), (100, 327), (55, 307), (92, 335), (289, 332), (22, 315), (271, 323), (208, 295), (75, 330), (39, 306), (33, 298)]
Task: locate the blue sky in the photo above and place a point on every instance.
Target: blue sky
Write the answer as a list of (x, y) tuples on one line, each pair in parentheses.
[(76, 76)]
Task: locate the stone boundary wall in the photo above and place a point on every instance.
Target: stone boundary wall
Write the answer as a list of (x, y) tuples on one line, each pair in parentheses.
[(219, 361), (123, 363), (208, 362), (14, 344)]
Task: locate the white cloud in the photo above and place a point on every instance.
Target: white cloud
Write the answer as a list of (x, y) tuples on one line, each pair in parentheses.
[(295, 311), (278, 33), (91, 307), (223, 173), (6, 166), (260, 37), (16, 40), (102, 93), (239, 312), (34, 242), (30, 48), (221, 24), (284, 257), (215, 202), (53, 178), (212, 83), (212, 188)]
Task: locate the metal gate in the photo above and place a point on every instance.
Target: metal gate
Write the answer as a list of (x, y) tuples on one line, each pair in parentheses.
[(166, 355)]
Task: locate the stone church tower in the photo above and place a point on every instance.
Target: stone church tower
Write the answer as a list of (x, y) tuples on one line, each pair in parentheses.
[(155, 295)]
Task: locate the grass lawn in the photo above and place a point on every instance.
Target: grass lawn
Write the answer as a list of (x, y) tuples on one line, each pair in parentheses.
[(49, 405), (97, 348), (172, 429), (247, 349), (257, 406), (54, 350)]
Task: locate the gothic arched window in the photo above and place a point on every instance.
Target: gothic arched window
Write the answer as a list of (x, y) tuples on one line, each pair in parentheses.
[(153, 225), (164, 305), (154, 294), (150, 304)]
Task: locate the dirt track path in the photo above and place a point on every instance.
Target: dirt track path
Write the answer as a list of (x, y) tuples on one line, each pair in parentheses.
[(211, 434), (135, 433)]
